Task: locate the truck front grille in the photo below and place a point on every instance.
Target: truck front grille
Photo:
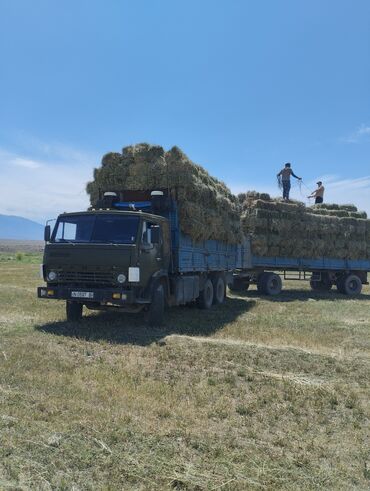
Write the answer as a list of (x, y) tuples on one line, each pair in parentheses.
[(86, 277)]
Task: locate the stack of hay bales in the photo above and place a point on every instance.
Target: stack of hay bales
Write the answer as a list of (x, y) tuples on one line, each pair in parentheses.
[(290, 229), (207, 208)]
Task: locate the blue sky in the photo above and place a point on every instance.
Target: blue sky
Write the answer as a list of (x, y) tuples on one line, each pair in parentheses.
[(240, 86)]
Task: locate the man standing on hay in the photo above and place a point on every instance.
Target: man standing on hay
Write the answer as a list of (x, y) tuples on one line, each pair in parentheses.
[(284, 175), (318, 194)]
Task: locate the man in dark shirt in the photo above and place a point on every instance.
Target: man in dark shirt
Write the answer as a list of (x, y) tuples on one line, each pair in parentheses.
[(285, 174)]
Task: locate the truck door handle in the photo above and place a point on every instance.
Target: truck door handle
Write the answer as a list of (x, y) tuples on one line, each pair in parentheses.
[(158, 258)]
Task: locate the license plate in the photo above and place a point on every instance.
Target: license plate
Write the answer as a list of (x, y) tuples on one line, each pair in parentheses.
[(82, 294)]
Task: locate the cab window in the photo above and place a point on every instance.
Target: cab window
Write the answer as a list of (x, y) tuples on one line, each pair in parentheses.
[(151, 233)]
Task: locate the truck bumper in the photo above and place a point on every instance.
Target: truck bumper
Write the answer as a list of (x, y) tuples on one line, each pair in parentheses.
[(102, 296)]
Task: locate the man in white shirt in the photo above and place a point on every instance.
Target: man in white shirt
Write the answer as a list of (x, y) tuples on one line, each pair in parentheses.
[(318, 194)]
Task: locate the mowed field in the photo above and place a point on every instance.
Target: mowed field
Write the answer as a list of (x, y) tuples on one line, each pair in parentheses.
[(255, 394)]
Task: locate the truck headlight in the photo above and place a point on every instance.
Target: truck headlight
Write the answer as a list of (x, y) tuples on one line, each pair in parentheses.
[(121, 278), (52, 276)]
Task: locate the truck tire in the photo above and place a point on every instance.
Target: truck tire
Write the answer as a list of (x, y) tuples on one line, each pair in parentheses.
[(271, 284), (205, 298), (156, 308), (323, 284), (239, 285), (349, 284), (73, 311), (219, 289)]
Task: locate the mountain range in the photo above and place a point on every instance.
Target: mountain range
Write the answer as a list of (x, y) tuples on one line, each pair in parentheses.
[(14, 227)]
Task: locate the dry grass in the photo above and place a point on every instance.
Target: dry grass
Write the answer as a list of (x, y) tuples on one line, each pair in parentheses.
[(256, 394)]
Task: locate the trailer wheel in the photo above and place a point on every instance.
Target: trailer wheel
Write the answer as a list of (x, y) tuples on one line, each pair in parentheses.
[(349, 284), (324, 284), (156, 308), (219, 288), (270, 284), (205, 298), (73, 311)]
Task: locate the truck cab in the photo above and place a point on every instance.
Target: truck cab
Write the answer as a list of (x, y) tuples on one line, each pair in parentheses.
[(107, 258)]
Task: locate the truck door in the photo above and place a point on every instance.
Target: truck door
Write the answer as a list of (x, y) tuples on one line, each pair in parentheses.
[(151, 251)]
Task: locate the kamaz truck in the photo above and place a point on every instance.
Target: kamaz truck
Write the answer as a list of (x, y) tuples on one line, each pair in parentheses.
[(130, 254)]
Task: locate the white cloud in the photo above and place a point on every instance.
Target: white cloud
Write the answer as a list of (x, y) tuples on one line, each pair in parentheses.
[(27, 163), (42, 188), (361, 134)]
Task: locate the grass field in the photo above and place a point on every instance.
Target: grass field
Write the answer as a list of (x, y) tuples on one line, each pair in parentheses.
[(255, 394)]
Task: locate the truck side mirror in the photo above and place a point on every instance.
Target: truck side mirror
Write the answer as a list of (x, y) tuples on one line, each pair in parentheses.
[(47, 233)]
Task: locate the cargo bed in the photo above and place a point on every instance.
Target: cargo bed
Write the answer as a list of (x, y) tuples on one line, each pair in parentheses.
[(348, 275)]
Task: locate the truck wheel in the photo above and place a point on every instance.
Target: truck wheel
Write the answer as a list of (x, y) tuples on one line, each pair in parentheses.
[(219, 287), (239, 285), (324, 284), (349, 284), (271, 284), (156, 308), (73, 311), (205, 298)]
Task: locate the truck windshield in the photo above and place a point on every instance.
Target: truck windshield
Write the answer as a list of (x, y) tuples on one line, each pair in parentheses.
[(97, 229)]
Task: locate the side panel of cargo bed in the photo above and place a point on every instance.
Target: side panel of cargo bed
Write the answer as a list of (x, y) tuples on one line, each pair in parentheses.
[(189, 256), (209, 255), (310, 264)]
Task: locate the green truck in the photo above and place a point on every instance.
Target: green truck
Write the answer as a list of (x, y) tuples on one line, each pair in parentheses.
[(129, 254)]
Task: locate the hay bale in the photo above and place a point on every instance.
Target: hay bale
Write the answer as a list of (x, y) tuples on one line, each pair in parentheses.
[(334, 206), (207, 208), (337, 213)]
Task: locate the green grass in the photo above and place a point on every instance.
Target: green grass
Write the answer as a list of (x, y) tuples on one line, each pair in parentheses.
[(21, 257), (255, 394)]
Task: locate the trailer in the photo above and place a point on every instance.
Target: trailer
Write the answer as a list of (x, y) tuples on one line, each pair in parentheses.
[(323, 273)]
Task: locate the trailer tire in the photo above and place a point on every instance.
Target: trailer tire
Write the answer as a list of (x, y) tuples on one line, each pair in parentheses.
[(74, 311), (349, 284), (156, 308), (205, 299), (219, 289), (271, 284)]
